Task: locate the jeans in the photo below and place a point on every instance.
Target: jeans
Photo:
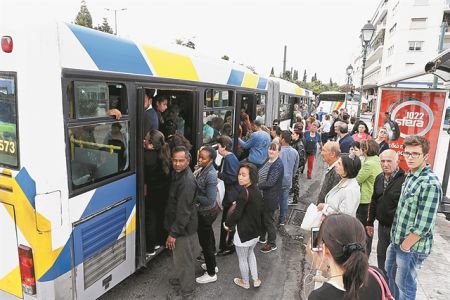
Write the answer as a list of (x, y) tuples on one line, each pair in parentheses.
[(283, 205), (207, 240), (268, 218), (384, 238), (402, 269)]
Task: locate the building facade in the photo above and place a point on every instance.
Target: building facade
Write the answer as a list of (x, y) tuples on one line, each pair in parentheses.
[(407, 35)]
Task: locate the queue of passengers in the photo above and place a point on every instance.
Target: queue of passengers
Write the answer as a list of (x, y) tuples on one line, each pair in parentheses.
[(362, 183)]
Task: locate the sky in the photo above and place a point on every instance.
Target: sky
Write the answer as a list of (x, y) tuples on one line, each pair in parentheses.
[(322, 36)]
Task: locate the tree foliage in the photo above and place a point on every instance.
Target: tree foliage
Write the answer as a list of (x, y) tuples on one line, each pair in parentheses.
[(225, 57), (304, 76), (84, 17), (272, 72), (188, 43), (295, 76), (104, 26)]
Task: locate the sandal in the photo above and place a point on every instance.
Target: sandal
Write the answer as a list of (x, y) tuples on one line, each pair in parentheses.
[(241, 283)]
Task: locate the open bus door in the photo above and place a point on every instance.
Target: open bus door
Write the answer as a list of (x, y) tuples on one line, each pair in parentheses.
[(140, 202)]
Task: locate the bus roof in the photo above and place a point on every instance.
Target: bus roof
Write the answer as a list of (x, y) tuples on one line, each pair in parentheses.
[(290, 87), (88, 49)]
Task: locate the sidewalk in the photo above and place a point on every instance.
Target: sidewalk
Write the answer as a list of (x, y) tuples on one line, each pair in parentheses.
[(432, 277)]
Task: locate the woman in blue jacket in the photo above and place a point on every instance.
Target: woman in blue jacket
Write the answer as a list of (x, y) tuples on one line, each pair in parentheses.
[(270, 183)]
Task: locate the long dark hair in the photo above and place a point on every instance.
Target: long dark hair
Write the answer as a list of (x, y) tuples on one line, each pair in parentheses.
[(156, 138), (345, 237)]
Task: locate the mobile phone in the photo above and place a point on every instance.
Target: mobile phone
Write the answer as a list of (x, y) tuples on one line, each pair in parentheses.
[(314, 239)]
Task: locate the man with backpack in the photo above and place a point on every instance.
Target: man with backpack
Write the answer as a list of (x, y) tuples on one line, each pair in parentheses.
[(297, 144)]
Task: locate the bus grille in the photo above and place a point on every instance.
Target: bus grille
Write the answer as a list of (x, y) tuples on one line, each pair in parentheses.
[(103, 262), (102, 249)]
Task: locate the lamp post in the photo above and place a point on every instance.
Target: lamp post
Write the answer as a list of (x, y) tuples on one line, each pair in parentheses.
[(349, 72), (366, 36), (115, 17)]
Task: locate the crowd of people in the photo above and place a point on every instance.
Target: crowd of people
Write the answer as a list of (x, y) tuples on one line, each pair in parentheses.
[(362, 183)]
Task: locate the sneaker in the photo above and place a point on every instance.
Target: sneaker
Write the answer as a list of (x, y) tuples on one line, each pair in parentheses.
[(257, 283), (280, 224), (205, 268), (268, 248), (225, 252), (148, 255), (292, 202), (157, 247), (200, 258), (241, 283), (262, 241), (206, 278)]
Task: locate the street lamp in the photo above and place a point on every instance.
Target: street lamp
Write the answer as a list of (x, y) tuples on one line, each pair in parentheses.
[(366, 36), (349, 72), (115, 17)]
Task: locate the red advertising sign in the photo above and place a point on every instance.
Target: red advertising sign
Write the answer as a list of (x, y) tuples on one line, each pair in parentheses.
[(406, 112)]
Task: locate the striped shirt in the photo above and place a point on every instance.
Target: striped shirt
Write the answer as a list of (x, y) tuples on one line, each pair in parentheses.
[(417, 209)]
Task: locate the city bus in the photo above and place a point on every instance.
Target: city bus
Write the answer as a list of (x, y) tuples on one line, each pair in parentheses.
[(289, 96), (329, 101), (71, 200)]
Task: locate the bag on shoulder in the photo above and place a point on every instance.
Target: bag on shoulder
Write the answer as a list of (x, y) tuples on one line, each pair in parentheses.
[(220, 193), (233, 207), (385, 291)]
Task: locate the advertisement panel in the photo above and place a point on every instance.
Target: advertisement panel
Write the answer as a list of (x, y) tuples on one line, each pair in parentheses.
[(406, 112)]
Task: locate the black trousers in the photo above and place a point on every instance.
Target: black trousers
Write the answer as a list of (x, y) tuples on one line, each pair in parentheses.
[(225, 244), (268, 222), (207, 240), (362, 213), (155, 206), (384, 238)]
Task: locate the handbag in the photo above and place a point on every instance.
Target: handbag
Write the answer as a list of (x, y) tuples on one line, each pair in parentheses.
[(385, 291), (229, 214), (220, 192), (312, 218)]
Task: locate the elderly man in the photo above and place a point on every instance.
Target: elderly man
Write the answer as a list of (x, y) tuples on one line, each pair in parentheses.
[(386, 192), (414, 221), (345, 139), (181, 221), (330, 154)]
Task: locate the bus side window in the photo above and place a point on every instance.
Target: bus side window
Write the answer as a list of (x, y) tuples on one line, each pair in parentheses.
[(98, 151)]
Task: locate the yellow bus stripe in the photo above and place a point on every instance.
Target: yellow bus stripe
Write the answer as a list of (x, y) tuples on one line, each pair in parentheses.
[(250, 80), (12, 283), (171, 65)]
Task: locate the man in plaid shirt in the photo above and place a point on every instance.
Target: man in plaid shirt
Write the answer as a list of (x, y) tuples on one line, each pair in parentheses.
[(414, 221)]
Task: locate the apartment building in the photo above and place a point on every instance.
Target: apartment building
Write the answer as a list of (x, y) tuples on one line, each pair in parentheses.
[(406, 37)]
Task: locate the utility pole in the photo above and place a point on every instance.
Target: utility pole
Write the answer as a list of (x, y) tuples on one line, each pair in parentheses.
[(444, 27), (284, 61), (115, 17)]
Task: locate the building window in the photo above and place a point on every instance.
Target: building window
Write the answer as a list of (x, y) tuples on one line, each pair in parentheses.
[(418, 23), (415, 45), (388, 70), (421, 2), (409, 65), (390, 50), (393, 29)]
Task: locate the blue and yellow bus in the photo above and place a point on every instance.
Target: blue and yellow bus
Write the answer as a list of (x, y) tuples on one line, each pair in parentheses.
[(72, 203)]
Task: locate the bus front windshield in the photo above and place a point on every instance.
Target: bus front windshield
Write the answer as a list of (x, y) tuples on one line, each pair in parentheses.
[(8, 121)]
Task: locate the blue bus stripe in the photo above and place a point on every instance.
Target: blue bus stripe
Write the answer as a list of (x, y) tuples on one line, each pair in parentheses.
[(236, 78), (27, 185), (262, 83), (111, 53)]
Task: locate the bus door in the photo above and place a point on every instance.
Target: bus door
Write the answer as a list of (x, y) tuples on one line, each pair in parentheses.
[(178, 118)]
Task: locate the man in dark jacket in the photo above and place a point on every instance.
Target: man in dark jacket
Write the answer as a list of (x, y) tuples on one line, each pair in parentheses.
[(386, 192), (181, 221), (345, 139), (330, 154), (332, 135)]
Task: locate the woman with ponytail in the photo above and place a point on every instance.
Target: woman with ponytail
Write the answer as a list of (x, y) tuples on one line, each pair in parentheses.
[(156, 172), (342, 240)]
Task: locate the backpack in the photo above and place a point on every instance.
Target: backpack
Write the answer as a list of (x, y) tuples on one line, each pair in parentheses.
[(310, 145)]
